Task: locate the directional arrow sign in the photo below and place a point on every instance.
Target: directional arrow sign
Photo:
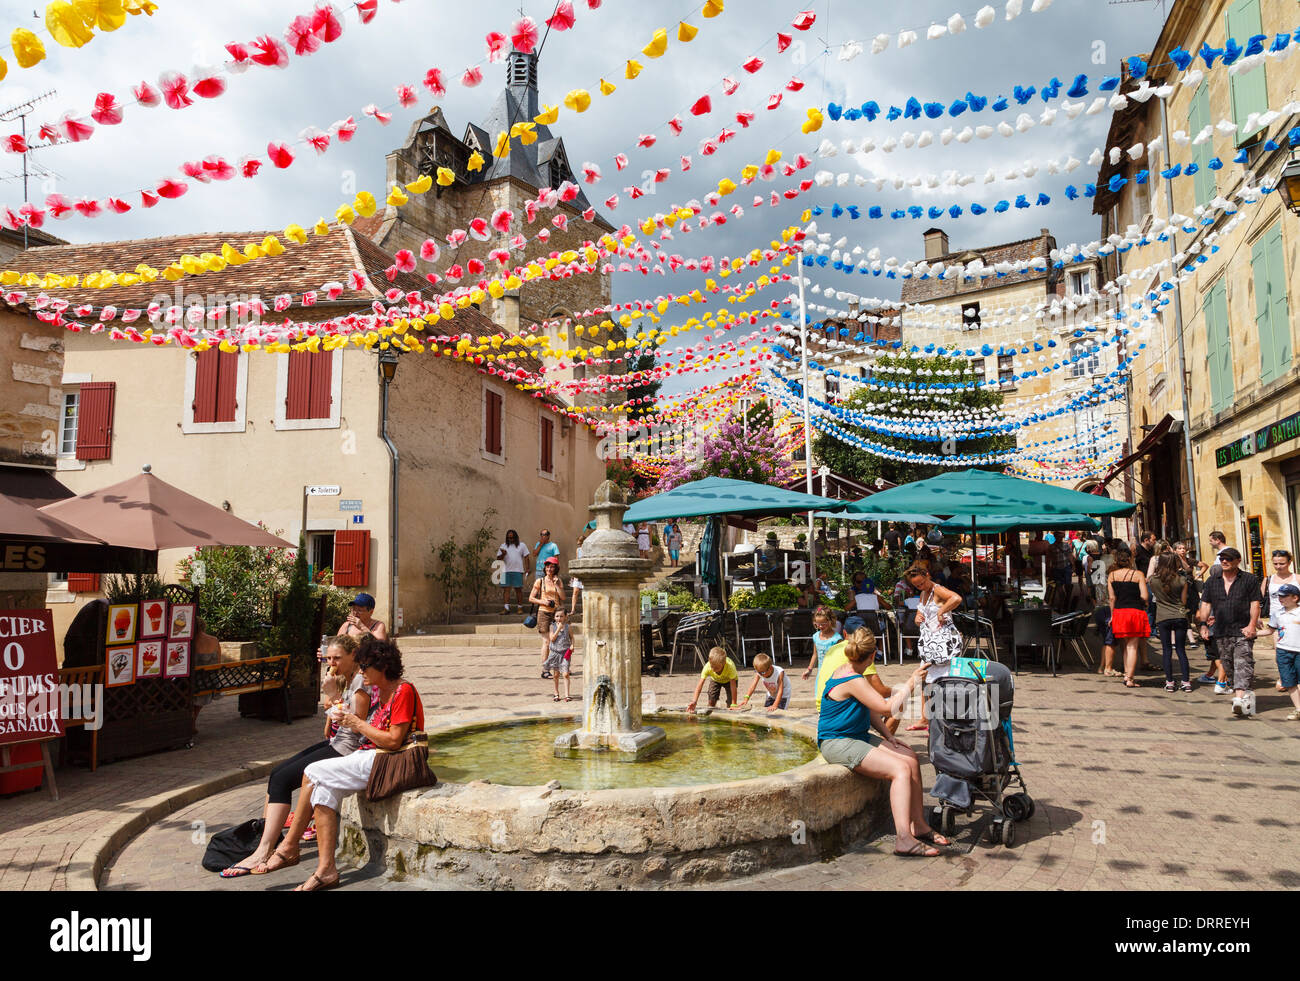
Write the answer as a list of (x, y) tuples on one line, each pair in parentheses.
[(324, 490)]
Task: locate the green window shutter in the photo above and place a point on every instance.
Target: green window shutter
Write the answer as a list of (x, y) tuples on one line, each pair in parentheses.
[(1198, 118), (1263, 309), (1279, 308), (1249, 91), (1222, 385)]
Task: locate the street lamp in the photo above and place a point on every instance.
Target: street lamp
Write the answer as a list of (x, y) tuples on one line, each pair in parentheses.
[(387, 372), (1289, 182)]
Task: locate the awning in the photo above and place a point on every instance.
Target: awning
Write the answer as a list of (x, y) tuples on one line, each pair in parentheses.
[(1148, 444)]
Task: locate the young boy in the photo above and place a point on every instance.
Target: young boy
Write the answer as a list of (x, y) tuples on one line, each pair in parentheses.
[(1288, 645), (560, 654), (836, 656), (774, 679), (720, 673)]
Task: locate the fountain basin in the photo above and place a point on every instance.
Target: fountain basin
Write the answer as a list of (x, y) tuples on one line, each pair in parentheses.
[(486, 835)]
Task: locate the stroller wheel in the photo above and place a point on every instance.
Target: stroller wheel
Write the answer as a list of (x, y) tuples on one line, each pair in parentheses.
[(947, 821), (1032, 806), (1017, 807), (1008, 833)]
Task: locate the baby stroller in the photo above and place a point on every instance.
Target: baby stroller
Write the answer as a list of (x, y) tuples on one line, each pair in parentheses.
[(972, 749)]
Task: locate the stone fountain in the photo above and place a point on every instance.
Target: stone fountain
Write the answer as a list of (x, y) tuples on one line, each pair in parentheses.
[(611, 571)]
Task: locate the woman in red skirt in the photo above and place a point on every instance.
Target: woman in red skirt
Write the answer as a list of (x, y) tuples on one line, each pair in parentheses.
[(1128, 603)]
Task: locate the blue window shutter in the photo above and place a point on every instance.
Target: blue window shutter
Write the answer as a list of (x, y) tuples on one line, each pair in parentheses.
[(1198, 118), (1249, 91), (1279, 308)]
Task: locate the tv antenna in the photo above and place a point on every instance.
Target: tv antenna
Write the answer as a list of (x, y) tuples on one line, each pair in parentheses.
[(21, 112), (1162, 3)]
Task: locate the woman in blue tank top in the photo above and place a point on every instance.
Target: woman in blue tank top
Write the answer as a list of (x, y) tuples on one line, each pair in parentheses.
[(851, 710)]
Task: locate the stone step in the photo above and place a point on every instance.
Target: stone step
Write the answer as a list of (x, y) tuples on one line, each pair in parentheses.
[(524, 640), (512, 627)]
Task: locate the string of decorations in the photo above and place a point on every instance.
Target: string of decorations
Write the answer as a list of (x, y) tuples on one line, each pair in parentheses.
[(71, 25)]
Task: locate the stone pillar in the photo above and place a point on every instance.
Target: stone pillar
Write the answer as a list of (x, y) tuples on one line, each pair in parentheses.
[(611, 570)]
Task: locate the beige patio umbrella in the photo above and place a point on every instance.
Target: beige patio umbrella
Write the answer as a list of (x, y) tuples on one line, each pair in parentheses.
[(148, 513), (19, 520)]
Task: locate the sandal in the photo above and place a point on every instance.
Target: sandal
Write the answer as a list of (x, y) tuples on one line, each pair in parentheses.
[(310, 833), (555, 698), (932, 838), (919, 727), (320, 886), (285, 863), (1187, 686), (1111, 673), (918, 850), (1169, 686), (568, 698), (1130, 683), (236, 872)]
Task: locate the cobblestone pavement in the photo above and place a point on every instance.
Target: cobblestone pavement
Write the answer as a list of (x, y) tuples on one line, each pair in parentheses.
[(1135, 789)]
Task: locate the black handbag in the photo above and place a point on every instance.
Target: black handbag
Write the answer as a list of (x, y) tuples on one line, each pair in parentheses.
[(230, 847)]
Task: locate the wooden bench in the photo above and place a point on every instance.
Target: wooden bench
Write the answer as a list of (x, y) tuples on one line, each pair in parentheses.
[(243, 678), (84, 677)]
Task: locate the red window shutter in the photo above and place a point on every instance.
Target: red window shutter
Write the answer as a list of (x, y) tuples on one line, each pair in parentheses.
[(351, 558), (83, 582), (493, 439), (296, 403), (548, 429), (320, 398), (95, 420), (205, 385), (227, 375)]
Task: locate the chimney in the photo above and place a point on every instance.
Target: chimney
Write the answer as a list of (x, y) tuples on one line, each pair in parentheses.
[(936, 244)]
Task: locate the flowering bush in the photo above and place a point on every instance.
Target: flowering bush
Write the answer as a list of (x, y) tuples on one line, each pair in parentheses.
[(240, 587), (733, 453)]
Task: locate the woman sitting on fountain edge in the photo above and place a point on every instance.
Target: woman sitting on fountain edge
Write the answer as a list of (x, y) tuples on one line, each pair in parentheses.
[(850, 710)]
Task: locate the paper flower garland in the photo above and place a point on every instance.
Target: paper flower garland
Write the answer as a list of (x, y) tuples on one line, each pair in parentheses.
[(72, 25)]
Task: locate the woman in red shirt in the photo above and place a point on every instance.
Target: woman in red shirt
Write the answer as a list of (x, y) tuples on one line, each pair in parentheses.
[(398, 710)]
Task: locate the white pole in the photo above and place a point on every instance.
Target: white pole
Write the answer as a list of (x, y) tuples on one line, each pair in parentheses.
[(1007, 556), (1044, 576), (807, 412)]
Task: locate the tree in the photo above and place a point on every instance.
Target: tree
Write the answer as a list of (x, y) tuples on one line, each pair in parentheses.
[(642, 397), (864, 466), (293, 634), (738, 451)]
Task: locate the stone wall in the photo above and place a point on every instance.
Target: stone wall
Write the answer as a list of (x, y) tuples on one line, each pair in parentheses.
[(31, 393)]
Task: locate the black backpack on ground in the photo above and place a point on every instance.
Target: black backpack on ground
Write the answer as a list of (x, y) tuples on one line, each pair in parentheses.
[(230, 847)]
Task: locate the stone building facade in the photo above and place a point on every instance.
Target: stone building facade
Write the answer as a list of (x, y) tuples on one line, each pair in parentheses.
[(1239, 307)]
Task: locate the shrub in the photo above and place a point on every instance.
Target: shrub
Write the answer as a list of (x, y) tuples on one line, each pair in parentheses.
[(241, 583), (133, 588), (293, 633)]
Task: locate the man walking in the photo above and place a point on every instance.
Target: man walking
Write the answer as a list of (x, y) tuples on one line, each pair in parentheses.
[(1230, 602), (1218, 543), (543, 550)]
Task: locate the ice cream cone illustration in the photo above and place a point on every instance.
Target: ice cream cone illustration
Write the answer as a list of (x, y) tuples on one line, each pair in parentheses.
[(121, 624), (179, 623), (155, 612), (149, 660)]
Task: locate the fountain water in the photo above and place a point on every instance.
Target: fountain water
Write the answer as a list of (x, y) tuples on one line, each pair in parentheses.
[(611, 571)]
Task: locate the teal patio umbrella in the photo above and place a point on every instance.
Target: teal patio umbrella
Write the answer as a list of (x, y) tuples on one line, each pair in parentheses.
[(997, 524), (717, 497), (982, 492)]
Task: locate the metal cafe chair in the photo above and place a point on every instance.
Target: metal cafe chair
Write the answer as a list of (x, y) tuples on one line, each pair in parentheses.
[(695, 631), (1033, 628), (797, 627), (755, 628), (975, 629), (1070, 630)]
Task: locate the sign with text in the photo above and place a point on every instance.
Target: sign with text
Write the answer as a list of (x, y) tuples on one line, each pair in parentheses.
[(1255, 530), (349, 505), (324, 490), (1275, 434), (29, 702)]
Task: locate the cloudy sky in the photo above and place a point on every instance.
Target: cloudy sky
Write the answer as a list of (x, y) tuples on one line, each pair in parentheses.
[(407, 38)]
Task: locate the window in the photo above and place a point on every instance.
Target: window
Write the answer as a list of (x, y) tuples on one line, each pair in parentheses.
[(970, 316), (309, 390), (579, 372), (68, 427), (832, 389), (1219, 348), (1006, 369), (310, 376), (1198, 118), (1080, 282), (320, 552), (216, 383), (547, 447), (493, 423), (1089, 356), (1272, 318), (1249, 90), (215, 378), (94, 435)]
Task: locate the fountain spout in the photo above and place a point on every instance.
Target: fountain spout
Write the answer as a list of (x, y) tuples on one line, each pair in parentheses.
[(611, 570)]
